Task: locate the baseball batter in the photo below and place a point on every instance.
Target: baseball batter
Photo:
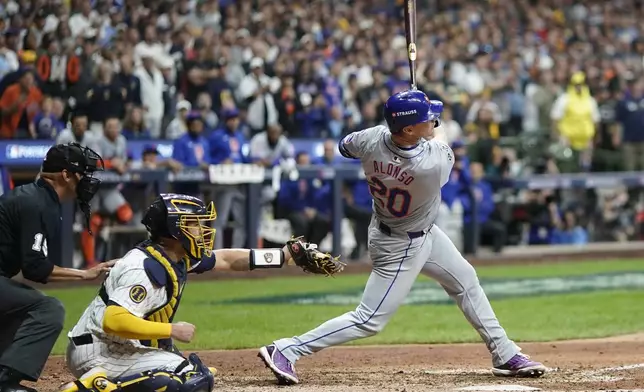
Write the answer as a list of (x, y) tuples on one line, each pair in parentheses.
[(406, 164), (125, 337)]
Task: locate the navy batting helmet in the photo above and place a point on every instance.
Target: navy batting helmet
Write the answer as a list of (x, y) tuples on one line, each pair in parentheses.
[(411, 107), (185, 218)]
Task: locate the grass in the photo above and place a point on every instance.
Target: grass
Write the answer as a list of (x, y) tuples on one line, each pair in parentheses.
[(542, 318)]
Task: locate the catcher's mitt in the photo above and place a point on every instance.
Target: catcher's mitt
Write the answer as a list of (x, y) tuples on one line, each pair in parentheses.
[(307, 256)]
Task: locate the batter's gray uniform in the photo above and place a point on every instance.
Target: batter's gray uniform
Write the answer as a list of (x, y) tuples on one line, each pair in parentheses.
[(403, 240), (120, 357), (109, 197)]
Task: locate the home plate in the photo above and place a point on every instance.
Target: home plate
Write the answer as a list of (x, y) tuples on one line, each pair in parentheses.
[(498, 388)]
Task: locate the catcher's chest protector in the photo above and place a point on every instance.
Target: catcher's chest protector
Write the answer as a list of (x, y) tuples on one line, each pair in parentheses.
[(163, 273), (175, 280)]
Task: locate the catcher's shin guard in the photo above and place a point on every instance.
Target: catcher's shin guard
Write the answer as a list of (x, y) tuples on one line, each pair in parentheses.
[(95, 380), (199, 379), (149, 381)]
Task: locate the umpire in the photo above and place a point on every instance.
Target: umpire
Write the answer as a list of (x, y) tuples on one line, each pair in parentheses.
[(30, 219)]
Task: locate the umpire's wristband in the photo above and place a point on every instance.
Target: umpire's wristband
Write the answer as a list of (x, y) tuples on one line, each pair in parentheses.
[(266, 258)]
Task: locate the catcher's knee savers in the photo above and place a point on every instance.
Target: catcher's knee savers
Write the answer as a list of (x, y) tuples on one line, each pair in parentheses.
[(199, 379)]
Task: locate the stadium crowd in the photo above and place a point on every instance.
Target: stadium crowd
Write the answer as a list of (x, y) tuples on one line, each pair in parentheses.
[(530, 86)]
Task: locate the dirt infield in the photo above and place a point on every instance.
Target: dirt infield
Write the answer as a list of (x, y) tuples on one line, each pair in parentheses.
[(582, 365)]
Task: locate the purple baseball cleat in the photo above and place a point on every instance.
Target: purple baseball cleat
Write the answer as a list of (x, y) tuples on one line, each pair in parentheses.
[(520, 366), (281, 367)]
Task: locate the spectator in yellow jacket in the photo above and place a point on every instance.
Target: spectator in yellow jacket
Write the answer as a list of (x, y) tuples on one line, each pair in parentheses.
[(575, 115)]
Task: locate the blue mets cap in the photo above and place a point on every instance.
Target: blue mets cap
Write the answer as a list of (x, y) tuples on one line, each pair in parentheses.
[(229, 113), (410, 107), (457, 144), (193, 116), (150, 149)]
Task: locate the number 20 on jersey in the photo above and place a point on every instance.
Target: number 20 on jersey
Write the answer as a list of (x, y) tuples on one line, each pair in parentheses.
[(396, 200)]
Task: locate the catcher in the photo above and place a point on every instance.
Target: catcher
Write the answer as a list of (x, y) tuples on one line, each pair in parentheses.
[(125, 337)]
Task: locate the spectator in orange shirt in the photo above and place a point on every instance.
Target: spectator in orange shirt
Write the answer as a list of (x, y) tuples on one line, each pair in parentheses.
[(20, 102)]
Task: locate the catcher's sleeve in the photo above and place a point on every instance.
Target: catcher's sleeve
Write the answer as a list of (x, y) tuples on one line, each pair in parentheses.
[(118, 321)]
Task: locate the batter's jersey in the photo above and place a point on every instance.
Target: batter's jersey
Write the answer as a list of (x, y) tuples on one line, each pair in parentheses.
[(405, 182), (128, 286)]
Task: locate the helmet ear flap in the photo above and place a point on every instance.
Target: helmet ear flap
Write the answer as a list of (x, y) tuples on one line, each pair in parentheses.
[(156, 219)]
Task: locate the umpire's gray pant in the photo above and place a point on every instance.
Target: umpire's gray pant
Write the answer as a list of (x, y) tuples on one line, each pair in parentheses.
[(230, 199)]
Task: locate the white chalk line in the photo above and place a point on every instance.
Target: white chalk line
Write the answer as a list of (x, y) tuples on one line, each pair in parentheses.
[(619, 368), (457, 372), (600, 375), (588, 373), (603, 371), (497, 388), (596, 375)]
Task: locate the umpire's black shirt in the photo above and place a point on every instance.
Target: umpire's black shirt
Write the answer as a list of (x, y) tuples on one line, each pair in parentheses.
[(30, 221)]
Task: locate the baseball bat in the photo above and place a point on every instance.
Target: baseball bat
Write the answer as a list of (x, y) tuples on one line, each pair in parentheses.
[(410, 35)]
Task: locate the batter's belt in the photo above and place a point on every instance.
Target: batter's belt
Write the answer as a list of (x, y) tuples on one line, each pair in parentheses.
[(385, 229)]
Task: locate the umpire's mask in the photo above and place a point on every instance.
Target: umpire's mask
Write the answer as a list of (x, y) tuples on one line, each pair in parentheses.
[(81, 160)]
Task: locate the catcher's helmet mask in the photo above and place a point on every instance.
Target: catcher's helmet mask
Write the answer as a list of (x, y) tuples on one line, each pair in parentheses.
[(184, 218), (411, 107)]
